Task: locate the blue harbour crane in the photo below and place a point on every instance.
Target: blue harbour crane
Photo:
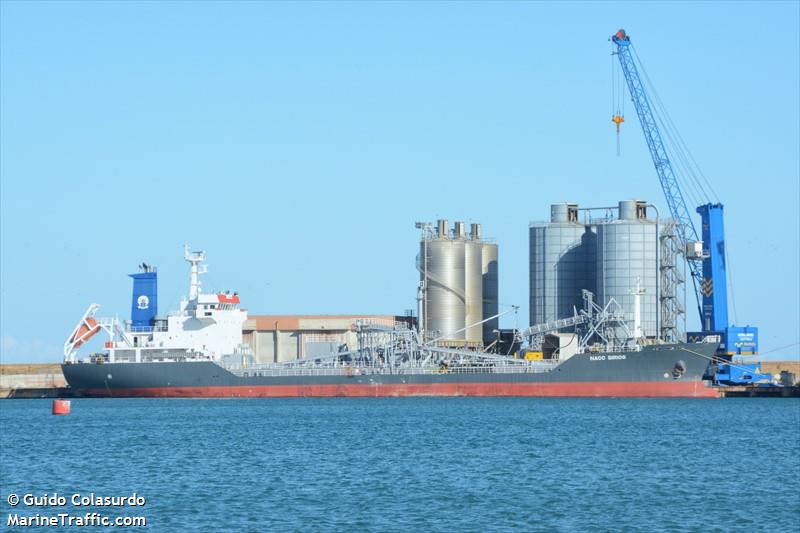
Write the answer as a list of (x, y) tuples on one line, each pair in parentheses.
[(704, 250)]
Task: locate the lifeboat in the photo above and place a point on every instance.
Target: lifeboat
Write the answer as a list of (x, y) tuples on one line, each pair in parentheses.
[(88, 329)]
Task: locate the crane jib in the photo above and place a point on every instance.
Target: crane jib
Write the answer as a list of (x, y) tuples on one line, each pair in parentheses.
[(706, 258), (666, 175)]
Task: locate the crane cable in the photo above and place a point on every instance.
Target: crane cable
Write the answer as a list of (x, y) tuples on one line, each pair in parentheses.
[(617, 96), (730, 284), (679, 145), (613, 83), (780, 348), (692, 188), (717, 360), (691, 168)]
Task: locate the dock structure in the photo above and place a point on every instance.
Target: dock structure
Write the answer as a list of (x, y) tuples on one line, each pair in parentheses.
[(32, 381), (789, 387), (753, 391)]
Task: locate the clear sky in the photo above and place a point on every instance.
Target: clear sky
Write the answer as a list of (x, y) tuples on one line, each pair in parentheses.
[(297, 143)]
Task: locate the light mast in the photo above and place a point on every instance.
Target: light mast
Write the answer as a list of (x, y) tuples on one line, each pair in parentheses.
[(196, 260)]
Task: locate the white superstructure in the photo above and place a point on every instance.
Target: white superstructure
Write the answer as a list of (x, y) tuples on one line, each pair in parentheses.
[(207, 327)]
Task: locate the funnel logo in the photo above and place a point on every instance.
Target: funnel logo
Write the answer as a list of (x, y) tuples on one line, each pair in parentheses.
[(143, 302)]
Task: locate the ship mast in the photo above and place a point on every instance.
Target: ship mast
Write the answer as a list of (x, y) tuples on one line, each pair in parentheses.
[(196, 260)]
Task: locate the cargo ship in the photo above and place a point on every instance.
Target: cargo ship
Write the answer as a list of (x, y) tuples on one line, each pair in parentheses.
[(198, 351)]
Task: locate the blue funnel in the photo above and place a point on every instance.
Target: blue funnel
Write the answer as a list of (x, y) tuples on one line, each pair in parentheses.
[(144, 300)]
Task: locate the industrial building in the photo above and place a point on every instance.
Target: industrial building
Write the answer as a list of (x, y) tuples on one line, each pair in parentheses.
[(612, 255), (278, 338), (458, 285)]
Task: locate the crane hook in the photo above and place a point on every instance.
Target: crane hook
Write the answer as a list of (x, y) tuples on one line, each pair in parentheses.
[(618, 120)]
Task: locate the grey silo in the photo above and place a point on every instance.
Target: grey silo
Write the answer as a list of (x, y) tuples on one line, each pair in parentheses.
[(627, 250), (445, 298), (473, 290), (489, 264), (562, 264)]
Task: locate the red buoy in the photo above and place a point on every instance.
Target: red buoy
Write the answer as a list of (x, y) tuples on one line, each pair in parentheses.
[(61, 407)]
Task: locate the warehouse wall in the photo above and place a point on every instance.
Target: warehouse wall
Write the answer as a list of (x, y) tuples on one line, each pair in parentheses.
[(303, 336)]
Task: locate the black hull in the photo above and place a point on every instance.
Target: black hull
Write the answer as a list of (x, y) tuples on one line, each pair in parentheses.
[(650, 372)]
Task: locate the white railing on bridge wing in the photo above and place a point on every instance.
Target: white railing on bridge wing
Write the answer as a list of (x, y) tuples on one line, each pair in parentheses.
[(144, 329)]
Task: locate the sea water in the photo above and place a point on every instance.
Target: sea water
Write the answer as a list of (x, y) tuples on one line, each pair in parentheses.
[(408, 464)]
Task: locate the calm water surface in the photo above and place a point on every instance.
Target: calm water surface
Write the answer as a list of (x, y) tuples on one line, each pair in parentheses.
[(428, 464)]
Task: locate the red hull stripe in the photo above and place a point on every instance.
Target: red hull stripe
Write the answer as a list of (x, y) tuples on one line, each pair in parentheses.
[(596, 389)]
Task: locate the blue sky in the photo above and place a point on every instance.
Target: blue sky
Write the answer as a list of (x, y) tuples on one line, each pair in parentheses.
[(297, 143)]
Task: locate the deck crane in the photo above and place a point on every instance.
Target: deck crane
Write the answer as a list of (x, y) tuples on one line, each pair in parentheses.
[(705, 251)]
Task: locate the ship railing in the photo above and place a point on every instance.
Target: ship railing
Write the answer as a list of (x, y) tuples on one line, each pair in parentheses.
[(624, 348), (144, 329), (367, 370)]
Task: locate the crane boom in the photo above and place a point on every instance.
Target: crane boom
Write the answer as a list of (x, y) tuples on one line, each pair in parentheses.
[(687, 233), (706, 258)]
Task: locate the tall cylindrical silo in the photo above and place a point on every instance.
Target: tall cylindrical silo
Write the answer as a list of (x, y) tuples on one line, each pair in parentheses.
[(489, 269), (627, 251), (473, 290), (443, 260), (562, 264)]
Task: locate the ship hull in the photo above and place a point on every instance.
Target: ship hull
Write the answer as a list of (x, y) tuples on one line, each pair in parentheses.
[(648, 373), (693, 389)]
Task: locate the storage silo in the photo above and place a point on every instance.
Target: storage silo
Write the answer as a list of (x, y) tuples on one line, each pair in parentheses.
[(443, 260), (462, 284), (473, 289), (489, 264), (562, 264), (627, 251)]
